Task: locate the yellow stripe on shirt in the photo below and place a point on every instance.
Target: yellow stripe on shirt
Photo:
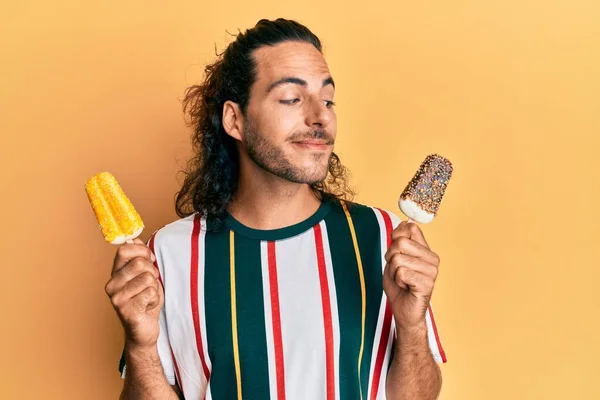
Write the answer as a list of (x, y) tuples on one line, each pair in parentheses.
[(236, 352), (362, 291)]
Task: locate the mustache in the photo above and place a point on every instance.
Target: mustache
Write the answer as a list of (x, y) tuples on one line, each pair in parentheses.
[(319, 134)]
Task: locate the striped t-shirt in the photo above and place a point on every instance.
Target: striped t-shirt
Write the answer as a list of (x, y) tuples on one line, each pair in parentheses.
[(292, 313)]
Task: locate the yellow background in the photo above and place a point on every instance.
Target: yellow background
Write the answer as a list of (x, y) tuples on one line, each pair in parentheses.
[(508, 90)]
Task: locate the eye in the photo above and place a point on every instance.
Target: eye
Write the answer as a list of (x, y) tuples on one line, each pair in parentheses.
[(329, 103), (289, 102)]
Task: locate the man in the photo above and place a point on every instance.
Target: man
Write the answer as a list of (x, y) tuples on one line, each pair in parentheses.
[(272, 285)]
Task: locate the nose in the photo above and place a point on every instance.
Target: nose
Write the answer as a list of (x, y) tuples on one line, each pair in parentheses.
[(318, 115)]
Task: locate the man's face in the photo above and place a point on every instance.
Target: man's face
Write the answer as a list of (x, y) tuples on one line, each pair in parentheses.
[(290, 125)]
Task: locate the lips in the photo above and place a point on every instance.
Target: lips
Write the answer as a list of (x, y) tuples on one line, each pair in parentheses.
[(313, 144)]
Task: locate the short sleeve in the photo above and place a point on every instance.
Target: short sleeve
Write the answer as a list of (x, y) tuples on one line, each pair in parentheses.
[(163, 345), (389, 221), (164, 353)]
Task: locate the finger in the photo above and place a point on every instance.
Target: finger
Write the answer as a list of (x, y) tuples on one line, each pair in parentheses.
[(390, 278), (407, 246), (133, 268), (410, 230), (146, 300), (416, 234), (418, 283), (133, 287), (127, 252), (415, 264), (401, 230)]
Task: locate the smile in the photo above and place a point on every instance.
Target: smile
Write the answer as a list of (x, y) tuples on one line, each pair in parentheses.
[(313, 144)]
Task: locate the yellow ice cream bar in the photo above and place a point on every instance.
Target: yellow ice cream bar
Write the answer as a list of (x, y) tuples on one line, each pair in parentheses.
[(116, 215)]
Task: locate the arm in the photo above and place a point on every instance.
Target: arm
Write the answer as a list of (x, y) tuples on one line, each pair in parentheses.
[(413, 373), (408, 282), (137, 296), (145, 378)]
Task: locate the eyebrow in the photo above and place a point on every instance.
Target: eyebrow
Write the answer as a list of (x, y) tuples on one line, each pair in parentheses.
[(298, 81)]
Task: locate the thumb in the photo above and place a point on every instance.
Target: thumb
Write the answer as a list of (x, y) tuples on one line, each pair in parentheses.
[(155, 306), (390, 285), (138, 241), (147, 300)]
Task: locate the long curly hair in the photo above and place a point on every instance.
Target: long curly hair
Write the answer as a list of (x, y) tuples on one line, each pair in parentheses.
[(211, 175)]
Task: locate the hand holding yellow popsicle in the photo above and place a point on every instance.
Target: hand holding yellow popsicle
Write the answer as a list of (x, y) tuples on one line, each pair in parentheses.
[(134, 288)]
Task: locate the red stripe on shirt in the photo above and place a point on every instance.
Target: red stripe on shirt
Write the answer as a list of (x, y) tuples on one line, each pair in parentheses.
[(437, 337), (276, 318), (383, 341), (387, 321), (325, 299), (194, 292)]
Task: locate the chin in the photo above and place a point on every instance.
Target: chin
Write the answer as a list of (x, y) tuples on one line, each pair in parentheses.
[(315, 174), (308, 170)]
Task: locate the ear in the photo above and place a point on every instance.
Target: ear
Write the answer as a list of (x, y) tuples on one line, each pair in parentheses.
[(233, 120)]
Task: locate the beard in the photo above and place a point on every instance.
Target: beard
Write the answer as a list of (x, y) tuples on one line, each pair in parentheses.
[(272, 159)]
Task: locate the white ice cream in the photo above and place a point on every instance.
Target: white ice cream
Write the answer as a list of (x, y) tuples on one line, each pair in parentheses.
[(123, 238), (414, 212)]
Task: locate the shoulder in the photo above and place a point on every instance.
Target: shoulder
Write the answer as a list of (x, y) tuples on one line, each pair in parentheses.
[(366, 216), (178, 231)]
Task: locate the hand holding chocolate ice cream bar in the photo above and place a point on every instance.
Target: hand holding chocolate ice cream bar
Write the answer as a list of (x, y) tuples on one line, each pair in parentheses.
[(421, 198)]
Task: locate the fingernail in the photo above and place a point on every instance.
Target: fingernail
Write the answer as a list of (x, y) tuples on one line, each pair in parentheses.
[(152, 257)]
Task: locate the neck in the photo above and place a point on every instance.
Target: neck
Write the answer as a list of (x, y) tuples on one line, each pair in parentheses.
[(265, 201)]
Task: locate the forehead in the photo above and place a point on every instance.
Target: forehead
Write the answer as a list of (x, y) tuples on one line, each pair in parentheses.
[(293, 59)]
